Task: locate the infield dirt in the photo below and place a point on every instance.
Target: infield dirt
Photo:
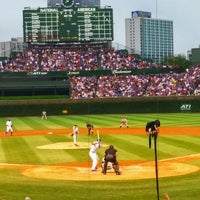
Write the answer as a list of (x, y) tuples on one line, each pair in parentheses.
[(130, 169)]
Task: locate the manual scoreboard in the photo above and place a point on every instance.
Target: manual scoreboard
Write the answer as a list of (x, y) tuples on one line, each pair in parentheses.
[(67, 24)]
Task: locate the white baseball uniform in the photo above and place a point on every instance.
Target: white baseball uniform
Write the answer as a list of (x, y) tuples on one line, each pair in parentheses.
[(9, 127), (124, 122), (93, 155), (44, 115), (75, 134)]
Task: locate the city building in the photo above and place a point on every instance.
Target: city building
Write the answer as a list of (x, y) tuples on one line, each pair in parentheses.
[(78, 3), (148, 37), (13, 46), (194, 55)]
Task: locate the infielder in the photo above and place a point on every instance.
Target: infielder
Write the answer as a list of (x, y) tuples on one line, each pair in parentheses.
[(75, 134), (9, 127), (44, 115), (93, 154), (90, 128), (124, 122)]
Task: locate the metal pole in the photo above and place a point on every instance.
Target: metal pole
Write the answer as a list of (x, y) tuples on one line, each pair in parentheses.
[(156, 9), (156, 165)]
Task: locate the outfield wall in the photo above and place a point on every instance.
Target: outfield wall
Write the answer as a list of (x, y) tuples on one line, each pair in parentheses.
[(101, 106)]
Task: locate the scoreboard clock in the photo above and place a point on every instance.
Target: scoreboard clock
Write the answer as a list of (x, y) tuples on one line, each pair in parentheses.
[(68, 3)]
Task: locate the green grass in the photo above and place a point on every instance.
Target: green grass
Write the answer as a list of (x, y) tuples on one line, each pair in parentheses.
[(101, 121), (22, 150)]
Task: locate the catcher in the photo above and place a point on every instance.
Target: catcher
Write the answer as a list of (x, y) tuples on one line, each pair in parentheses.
[(109, 165)]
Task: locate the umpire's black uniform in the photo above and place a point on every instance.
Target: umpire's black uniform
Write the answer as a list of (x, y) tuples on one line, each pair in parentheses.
[(152, 129), (110, 156)]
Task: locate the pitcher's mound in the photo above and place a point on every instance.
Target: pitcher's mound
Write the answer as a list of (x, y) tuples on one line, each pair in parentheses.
[(68, 145)]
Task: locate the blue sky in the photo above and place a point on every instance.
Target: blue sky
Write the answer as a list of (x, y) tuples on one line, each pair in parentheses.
[(183, 13)]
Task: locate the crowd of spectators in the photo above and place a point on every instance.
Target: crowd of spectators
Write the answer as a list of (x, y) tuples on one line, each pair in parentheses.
[(51, 59), (45, 59), (169, 84), (60, 58)]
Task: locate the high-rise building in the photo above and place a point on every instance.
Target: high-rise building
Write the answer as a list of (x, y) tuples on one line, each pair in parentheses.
[(148, 37), (8, 47), (78, 3)]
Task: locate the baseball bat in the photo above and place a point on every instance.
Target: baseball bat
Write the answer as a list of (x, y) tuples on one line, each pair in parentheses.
[(98, 135)]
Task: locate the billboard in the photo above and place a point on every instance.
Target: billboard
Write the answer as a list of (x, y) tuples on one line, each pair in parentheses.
[(139, 13)]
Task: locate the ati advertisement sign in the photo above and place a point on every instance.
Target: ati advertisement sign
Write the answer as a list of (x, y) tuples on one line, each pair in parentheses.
[(186, 107)]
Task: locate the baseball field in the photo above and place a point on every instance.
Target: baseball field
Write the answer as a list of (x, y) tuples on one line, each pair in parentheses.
[(41, 162)]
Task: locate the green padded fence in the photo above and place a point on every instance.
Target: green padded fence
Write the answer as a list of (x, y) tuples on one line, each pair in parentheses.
[(101, 106)]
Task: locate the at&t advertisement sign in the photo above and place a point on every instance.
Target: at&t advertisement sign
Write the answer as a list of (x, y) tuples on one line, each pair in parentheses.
[(186, 107)]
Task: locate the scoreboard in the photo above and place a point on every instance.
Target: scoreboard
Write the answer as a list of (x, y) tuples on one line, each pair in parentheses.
[(67, 24)]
